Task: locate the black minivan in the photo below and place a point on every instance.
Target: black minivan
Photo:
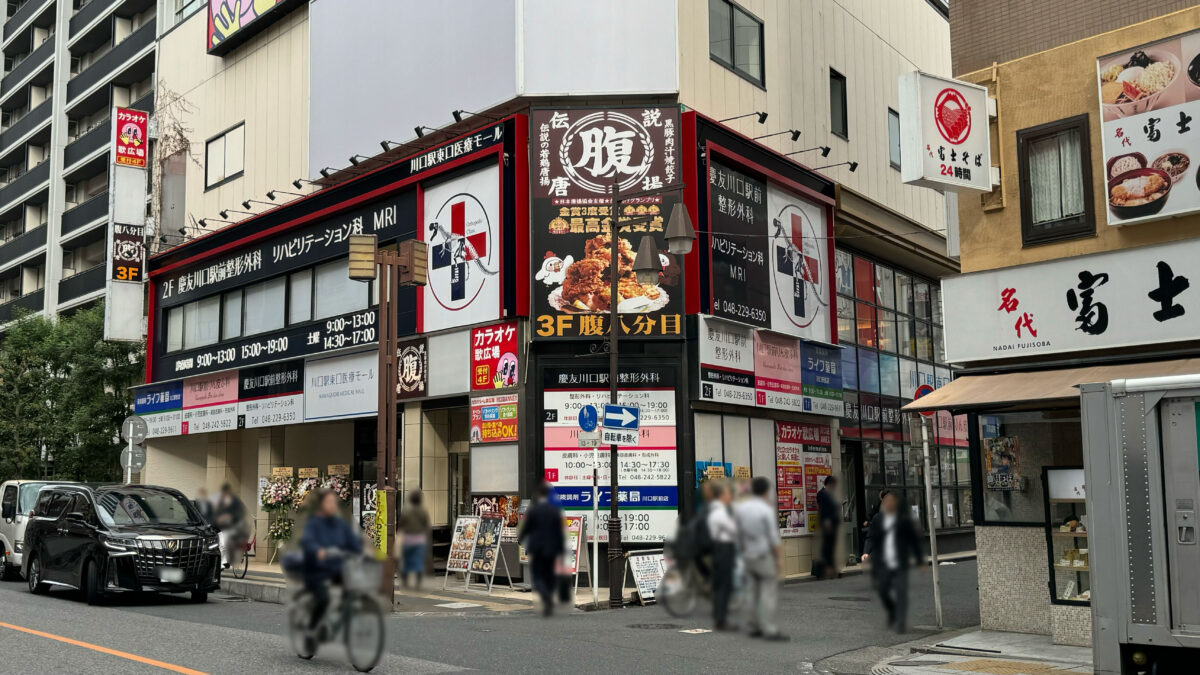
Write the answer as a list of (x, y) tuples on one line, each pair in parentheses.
[(120, 538)]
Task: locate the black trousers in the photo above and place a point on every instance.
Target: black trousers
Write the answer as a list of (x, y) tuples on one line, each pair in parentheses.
[(542, 569), (723, 558), (828, 546), (892, 586), (318, 585)]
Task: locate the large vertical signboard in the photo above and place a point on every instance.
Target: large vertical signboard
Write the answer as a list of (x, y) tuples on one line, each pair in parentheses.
[(944, 137), (462, 230), (1149, 97), (803, 458), (769, 256), (124, 307), (648, 498), (578, 154)]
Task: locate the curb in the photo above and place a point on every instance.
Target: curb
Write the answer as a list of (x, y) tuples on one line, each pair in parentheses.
[(856, 570)]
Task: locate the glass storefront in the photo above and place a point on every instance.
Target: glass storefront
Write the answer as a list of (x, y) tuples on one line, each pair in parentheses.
[(890, 329)]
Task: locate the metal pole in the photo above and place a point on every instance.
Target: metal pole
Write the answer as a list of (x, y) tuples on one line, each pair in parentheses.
[(685, 420), (616, 558), (129, 464), (385, 421), (933, 550), (595, 527)]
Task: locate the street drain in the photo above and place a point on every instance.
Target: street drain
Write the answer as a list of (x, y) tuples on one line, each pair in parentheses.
[(654, 626), (849, 598)]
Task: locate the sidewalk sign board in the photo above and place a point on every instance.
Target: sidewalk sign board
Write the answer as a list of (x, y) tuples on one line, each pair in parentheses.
[(648, 568)]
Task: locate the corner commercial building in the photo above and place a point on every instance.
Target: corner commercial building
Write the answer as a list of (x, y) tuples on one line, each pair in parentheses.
[(798, 64)]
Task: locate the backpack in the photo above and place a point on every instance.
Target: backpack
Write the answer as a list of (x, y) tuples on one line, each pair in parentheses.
[(702, 541)]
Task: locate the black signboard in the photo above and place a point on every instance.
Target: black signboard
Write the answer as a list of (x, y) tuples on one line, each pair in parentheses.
[(741, 268), (275, 379), (348, 330), (577, 154), (128, 252), (392, 218), (412, 368)]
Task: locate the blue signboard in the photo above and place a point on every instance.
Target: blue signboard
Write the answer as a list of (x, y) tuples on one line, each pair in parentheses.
[(642, 497), (621, 416), (587, 418), (161, 397)]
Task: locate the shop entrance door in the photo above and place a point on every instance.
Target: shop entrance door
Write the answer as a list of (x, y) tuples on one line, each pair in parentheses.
[(853, 502), (460, 485)]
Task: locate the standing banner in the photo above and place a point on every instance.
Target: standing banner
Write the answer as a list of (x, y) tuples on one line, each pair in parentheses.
[(578, 152)]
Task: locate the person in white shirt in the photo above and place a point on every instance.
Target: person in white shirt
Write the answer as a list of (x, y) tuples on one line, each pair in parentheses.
[(762, 552), (892, 544), (724, 532)]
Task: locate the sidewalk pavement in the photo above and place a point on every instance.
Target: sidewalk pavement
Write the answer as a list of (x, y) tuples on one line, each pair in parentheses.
[(983, 651)]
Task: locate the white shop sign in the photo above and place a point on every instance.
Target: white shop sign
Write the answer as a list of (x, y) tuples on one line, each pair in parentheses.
[(726, 361), (1118, 299), (944, 139), (341, 387), (272, 411)]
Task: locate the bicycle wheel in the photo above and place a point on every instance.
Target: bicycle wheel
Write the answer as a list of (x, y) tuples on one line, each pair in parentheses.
[(241, 567), (676, 593), (364, 631), (299, 616)]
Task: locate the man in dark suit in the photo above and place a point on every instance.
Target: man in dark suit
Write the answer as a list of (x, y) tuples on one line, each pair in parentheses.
[(892, 544), (544, 540), (829, 512)]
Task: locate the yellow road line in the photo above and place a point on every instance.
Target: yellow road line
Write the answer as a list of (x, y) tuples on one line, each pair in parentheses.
[(104, 650)]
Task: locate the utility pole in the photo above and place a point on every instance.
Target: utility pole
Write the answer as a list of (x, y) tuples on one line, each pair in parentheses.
[(405, 267)]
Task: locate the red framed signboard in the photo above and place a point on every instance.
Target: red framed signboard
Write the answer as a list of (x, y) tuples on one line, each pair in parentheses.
[(130, 140)]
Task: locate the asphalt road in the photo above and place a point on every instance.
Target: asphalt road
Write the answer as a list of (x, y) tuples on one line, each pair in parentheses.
[(228, 635)]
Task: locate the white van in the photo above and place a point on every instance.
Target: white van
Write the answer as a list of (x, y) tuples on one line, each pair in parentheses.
[(17, 498)]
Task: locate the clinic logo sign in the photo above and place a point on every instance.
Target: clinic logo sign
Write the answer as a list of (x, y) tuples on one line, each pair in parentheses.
[(462, 251), (798, 278)]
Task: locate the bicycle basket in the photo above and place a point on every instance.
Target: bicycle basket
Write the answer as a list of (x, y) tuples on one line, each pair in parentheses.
[(362, 574)]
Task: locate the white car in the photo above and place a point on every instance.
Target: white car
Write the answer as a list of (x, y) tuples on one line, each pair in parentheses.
[(17, 498)]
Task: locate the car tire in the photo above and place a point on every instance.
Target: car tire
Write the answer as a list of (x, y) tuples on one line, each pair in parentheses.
[(6, 570), (36, 585), (93, 586), (199, 597)]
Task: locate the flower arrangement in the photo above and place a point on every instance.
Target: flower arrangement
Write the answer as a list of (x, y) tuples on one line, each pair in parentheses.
[(303, 487), (339, 485), (280, 529), (278, 494)]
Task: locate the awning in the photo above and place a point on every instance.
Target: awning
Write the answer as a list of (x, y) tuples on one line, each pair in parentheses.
[(1039, 387)]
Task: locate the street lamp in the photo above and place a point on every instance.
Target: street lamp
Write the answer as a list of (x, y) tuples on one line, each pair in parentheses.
[(403, 267), (646, 265)]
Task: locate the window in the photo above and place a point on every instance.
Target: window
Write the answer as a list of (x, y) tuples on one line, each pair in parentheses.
[(735, 39), (1014, 447), (231, 315), (336, 292), (1054, 161), (264, 305), (223, 157), (838, 123), (300, 297), (174, 329), (200, 322), (894, 138)]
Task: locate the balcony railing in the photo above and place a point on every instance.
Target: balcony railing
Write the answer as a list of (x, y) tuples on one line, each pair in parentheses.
[(145, 103), (23, 244), (81, 284), (24, 183), (87, 212), (104, 66), (33, 302), (23, 14), (28, 122), (85, 145), (29, 65), (90, 12)]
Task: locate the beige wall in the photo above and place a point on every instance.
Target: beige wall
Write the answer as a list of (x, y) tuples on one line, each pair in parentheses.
[(802, 41), (318, 444), (263, 83), (180, 462), (429, 437), (1027, 97)]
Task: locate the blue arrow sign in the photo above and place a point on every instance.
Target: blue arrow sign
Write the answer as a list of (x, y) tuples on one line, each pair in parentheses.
[(587, 418), (621, 416)]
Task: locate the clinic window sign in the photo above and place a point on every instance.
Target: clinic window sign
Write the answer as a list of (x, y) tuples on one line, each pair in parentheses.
[(944, 138)]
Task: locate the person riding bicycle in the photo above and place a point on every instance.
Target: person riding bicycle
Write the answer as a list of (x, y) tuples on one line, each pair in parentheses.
[(326, 535)]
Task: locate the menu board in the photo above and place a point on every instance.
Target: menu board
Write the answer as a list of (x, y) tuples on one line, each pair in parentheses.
[(487, 544), (462, 544)]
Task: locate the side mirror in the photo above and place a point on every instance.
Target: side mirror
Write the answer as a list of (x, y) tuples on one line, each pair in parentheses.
[(76, 516), (9, 512)]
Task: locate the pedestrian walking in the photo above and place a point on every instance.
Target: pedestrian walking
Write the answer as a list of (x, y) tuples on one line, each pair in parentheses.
[(829, 511), (204, 505), (723, 531), (231, 520), (891, 546), (875, 508), (414, 527), (762, 554), (544, 540)]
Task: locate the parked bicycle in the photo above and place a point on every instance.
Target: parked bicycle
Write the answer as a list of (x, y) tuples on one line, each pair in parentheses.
[(356, 616), (241, 563)]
